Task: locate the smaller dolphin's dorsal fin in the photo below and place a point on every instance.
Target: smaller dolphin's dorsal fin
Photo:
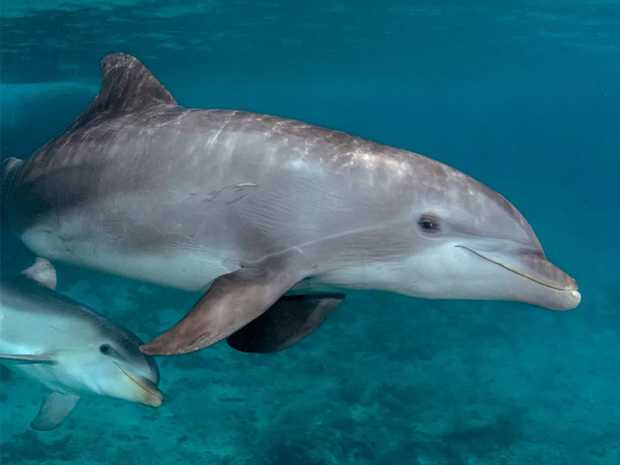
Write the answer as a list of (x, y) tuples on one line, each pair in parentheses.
[(42, 272), (126, 86)]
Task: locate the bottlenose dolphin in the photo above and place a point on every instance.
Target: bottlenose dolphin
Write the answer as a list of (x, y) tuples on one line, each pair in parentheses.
[(250, 207), (69, 348)]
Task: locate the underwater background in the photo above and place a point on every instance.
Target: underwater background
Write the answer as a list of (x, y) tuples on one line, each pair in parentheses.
[(522, 95)]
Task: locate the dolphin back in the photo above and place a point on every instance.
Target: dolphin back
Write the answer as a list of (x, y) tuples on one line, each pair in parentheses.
[(38, 320), (33, 315)]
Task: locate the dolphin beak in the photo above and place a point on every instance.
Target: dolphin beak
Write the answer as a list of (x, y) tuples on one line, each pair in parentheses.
[(152, 396), (149, 393), (539, 281)]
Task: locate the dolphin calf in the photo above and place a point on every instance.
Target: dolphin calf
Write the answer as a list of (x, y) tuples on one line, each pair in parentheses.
[(250, 208), (69, 349)]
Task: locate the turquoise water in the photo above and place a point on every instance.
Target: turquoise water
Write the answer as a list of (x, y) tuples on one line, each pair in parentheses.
[(525, 98)]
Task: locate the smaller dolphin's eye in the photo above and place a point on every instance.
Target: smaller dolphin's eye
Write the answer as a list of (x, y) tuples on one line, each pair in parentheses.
[(109, 351), (429, 224)]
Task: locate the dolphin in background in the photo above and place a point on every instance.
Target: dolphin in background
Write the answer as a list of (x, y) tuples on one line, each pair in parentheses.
[(69, 348), (251, 208)]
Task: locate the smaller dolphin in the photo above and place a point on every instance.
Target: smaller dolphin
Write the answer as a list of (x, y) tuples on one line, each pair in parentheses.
[(69, 348)]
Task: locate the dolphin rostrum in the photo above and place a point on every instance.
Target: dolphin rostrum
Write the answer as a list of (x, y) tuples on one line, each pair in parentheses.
[(251, 207), (69, 348)]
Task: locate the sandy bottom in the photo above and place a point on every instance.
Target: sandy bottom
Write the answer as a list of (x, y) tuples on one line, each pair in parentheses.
[(387, 380)]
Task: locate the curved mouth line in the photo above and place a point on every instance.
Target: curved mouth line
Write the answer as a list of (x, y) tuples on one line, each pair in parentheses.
[(154, 394), (517, 272)]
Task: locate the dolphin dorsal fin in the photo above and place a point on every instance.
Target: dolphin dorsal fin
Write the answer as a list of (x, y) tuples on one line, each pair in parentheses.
[(42, 272), (126, 86)]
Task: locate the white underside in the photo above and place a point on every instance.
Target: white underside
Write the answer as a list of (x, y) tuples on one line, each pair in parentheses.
[(193, 270), (182, 269)]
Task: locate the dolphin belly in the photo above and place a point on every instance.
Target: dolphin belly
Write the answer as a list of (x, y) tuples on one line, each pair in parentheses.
[(173, 266)]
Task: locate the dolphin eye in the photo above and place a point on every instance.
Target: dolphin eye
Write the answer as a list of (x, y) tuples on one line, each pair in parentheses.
[(109, 351), (429, 224)]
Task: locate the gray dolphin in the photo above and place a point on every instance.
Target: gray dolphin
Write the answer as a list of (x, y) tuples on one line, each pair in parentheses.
[(68, 348), (250, 207)]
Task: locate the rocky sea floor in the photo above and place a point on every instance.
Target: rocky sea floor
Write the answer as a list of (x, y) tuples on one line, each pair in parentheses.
[(387, 380)]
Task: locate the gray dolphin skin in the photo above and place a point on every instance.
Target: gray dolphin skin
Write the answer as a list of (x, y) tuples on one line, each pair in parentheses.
[(69, 349), (249, 208)]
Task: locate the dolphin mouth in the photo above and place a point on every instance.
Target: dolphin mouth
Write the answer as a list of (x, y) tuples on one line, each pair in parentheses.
[(534, 266), (151, 395)]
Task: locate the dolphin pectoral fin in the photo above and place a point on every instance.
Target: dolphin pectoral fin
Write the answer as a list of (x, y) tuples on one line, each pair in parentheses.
[(285, 323), (43, 272), (27, 358), (54, 409), (232, 301)]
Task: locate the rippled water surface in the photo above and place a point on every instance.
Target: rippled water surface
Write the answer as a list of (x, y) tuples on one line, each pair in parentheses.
[(524, 97)]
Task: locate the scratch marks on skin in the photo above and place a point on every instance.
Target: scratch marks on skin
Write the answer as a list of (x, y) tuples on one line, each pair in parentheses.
[(229, 195), (178, 121), (306, 248), (213, 139)]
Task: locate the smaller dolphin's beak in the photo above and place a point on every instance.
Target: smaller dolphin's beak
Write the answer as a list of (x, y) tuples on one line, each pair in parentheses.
[(550, 287), (149, 393)]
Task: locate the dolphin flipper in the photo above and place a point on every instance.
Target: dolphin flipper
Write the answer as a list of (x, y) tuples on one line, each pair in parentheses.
[(54, 409), (286, 322), (232, 301)]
